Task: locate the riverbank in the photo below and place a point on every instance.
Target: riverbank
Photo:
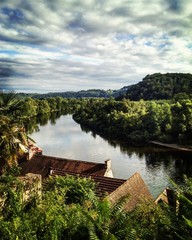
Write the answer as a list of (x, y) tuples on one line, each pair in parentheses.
[(172, 146)]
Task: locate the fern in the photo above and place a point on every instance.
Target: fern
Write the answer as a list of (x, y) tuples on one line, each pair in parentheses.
[(92, 232), (133, 235)]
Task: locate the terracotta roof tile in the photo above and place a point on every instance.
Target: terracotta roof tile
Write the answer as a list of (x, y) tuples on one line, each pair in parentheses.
[(104, 185), (41, 164), (114, 188), (135, 188)]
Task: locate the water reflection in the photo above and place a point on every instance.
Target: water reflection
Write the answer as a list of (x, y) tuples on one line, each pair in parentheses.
[(60, 136), (42, 120)]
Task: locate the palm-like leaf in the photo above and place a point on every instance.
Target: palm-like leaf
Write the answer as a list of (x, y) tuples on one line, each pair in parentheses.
[(9, 102), (12, 140)]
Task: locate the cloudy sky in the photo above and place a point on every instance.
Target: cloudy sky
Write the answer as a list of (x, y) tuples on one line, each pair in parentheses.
[(70, 45)]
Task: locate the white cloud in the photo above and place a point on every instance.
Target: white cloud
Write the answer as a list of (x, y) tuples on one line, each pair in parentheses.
[(93, 43)]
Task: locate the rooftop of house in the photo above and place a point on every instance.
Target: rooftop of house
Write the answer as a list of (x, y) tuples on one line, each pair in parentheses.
[(136, 190), (104, 185), (41, 164), (114, 188)]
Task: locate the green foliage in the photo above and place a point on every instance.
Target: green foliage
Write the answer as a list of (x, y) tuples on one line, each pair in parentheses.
[(161, 86), (184, 208), (151, 221), (76, 189), (12, 138), (84, 216), (55, 216), (9, 103), (138, 122), (92, 93)]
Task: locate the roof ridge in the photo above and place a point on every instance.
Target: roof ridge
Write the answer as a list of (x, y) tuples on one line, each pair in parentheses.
[(68, 159), (87, 174)]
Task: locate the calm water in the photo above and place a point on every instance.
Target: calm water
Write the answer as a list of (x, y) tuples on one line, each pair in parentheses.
[(65, 138)]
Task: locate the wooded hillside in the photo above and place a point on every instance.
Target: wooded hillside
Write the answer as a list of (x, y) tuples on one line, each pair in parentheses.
[(161, 86)]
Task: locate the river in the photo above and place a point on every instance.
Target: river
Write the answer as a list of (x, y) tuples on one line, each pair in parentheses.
[(65, 138)]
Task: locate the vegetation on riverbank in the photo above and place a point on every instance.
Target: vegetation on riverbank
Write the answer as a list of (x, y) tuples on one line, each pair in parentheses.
[(135, 121), (139, 121), (17, 119)]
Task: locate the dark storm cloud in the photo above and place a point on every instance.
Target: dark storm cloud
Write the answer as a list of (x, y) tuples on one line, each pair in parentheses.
[(175, 5), (22, 40), (6, 72), (10, 69), (78, 23)]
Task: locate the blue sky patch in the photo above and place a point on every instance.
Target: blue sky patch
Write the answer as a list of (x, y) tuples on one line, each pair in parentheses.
[(125, 36), (9, 52), (15, 15)]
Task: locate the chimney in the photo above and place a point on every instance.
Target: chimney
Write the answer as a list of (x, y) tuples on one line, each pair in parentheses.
[(108, 165)]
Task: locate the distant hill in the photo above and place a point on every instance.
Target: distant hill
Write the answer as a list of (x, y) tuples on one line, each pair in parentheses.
[(153, 87), (161, 86), (97, 93), (92, 93)]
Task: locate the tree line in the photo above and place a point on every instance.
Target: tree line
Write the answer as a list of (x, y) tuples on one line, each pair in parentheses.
[(139, 121), (153, 87), (136, 121)]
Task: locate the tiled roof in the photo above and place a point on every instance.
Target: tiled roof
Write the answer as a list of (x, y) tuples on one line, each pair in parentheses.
[(115, 188), (135, 188), (104, 185), (41, 164)]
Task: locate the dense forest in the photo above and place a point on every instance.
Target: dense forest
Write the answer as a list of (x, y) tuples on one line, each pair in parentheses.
[(161, 86), (139, 121), (91, 93)]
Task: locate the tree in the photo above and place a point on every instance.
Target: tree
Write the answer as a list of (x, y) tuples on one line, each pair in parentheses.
[(182, 119), (184, 218), (13, 140)]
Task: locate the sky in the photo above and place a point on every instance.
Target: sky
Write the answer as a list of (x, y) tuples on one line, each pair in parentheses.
[(72, 45)]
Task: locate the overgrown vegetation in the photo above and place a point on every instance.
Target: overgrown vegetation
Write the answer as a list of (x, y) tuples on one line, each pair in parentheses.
[(69, 209)]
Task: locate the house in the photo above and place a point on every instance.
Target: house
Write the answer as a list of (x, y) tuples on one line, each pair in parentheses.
[(114, 189), (41, 164), (106, 186)]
